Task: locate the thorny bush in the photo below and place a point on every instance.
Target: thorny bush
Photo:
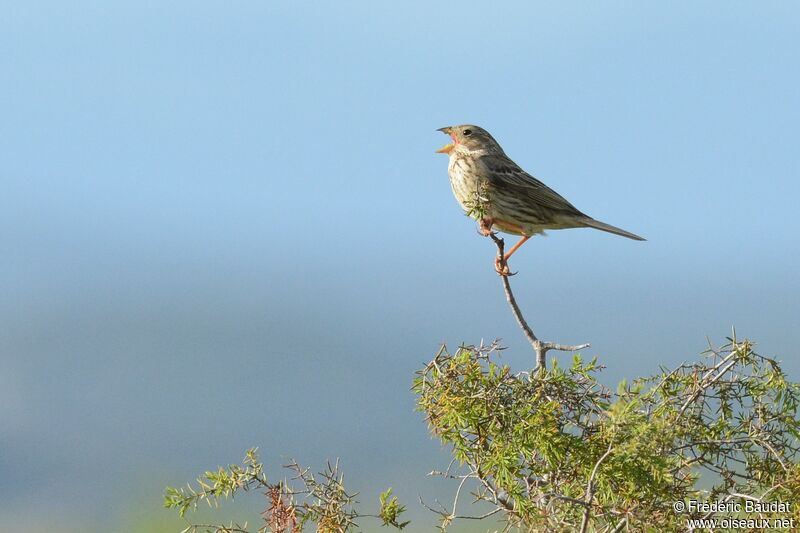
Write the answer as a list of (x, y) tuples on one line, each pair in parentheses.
[(554, 450)]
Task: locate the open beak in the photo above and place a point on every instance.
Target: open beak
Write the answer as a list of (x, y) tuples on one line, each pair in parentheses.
[(447, 148)]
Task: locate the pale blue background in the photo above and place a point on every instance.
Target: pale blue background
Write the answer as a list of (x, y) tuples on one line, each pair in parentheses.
[(224, 225)]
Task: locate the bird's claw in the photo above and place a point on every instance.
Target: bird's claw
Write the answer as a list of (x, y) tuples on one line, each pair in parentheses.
[(501, 267), (485, 226)]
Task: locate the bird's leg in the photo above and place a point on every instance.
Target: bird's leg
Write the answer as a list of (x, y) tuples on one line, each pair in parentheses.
[(516, 247), (501, 263), (485, 226)]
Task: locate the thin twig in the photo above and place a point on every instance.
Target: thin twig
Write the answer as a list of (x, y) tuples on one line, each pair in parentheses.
[(458, 492), (219, 528), (481, 517), (539, 347), (590, 490), (620, 525), (704, 384)]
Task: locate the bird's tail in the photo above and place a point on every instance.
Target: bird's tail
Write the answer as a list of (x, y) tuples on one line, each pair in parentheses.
[(602, 226)]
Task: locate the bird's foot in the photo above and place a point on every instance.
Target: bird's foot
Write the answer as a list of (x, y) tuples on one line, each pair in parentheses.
[(485, 226), (501, 267)]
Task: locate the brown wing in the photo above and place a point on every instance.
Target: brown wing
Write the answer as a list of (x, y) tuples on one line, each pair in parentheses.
[(506, 177)]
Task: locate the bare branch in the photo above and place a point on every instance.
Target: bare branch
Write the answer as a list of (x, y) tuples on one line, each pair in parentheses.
[(705, 382), (622, 524), (539, 347), (590, 490)]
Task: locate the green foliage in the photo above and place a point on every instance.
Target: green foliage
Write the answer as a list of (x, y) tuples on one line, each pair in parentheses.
[(478, 204), (555, 450), (391, 510), (316, 499), (222, 483)]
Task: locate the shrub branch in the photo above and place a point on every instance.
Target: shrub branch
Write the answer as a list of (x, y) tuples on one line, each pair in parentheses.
[(539, 347)]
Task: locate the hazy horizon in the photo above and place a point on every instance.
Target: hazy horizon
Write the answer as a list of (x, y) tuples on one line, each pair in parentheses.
[(226, 226)]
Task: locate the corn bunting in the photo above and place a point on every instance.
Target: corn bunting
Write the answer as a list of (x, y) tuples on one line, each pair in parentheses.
[(496, 192)]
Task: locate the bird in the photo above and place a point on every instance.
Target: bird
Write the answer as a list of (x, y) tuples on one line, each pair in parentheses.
[(498, 193)]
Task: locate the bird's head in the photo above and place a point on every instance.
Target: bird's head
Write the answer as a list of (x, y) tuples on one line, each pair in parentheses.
[(469, 138)]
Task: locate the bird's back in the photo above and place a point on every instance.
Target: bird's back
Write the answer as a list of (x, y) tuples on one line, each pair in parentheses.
[(522, 199)]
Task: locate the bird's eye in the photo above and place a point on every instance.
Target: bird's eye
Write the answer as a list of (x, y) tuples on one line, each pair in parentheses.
[(467, 133)]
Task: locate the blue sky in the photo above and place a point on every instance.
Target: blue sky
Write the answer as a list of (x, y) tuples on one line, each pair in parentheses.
[(224, 225)]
